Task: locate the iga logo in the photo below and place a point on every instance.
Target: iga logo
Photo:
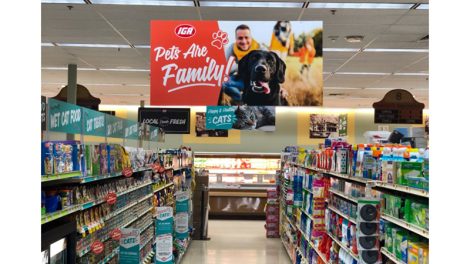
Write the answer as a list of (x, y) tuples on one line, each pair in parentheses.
[(185, 31)]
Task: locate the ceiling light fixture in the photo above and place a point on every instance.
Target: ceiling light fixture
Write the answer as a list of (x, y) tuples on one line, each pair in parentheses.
[(84, 45), (423, 7), (340, 49), (397, 50), (250, 4), (47, 44), (411, 74), (363, 73), (359, 6), (143, 2), (62, 2), (354, 39)]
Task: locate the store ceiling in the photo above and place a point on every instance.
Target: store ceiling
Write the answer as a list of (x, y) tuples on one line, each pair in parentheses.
[(351, 78)]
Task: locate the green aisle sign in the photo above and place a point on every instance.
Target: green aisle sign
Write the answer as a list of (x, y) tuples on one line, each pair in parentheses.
[(94, 123), (132, 130), (64, 117), (220, 117), (114, 126)]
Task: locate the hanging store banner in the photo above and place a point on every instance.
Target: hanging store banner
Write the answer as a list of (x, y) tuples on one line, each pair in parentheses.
[(129, 246), (164, 221), (64, 117), (43, 113), (131, 130), (114, 126), (164, 248), (94, 123), (170, 120), (262, 118), (258, 63)]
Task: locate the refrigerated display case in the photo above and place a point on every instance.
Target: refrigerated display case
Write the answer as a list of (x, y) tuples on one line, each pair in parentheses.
[(238, 182)]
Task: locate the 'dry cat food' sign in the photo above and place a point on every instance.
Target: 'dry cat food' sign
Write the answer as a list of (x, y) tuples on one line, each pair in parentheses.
[(188, 64)]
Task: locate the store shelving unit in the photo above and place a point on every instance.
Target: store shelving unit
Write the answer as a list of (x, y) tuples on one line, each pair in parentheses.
[(400, 188), (148, 258), (413, 228), (59, 214), (88, 179), (163, 187), (62, 176), (350, 219), (341, 194), (356, 257), (391, 256)]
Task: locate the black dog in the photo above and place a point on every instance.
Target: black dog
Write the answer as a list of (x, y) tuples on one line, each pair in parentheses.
[(262, 72)]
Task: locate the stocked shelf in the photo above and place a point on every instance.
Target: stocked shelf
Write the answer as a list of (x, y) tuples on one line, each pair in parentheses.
[(145, 243), (413, 228), (356, 257), (88, 205), (110, 256), (350, 219), (113, 214), (58, 214), (307, 214), (163, 187), (148, 257), (105, 177), (335, 174), (184, 252), (312, 245), (307, 190), (138, 216), (146, 227), (401, 188), (287, 249), (391, 256), (62, 176), (352, 199)]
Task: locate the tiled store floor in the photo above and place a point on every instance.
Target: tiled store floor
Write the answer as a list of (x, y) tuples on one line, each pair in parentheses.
[(235, 241)]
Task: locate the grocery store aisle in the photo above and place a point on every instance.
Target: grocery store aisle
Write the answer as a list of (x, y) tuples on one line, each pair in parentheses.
[(236, 241)]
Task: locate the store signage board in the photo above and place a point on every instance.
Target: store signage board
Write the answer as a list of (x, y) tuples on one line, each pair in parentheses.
[(43, 113), (192, 60), (182, 201), (170, 120), (398, 107), (164, 221), (94, 123), (164, 248), (131, 130), (129, 246), (114, 126), (220, 117), (64, 117), (181, 225)]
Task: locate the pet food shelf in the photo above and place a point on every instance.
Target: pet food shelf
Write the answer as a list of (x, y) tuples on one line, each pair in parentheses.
[(86, 250), (355, 256), (62, 176), (145, 243), (163, 187), (308, 190), (148, 257), (88, 205), (350, 219), (401, 188), (352, 199), (184, 251), (110, 256), (58, 214), (391, 256), (88, 179), (308, 215), (332, 173), (413, 228), (287, 249), (312, 245)]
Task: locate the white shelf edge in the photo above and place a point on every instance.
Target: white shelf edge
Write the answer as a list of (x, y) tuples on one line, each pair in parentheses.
[(350, 219), (352, 199), (287, 250), (391, 256), (415, 229), (401, 188), (356, 257)]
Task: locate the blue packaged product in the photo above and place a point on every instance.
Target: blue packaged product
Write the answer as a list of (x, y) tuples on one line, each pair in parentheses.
[(47, 158), (104, 159), (65, 156)]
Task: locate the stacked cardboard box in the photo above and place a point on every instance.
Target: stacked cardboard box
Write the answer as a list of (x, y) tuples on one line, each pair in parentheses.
[(272, 213)]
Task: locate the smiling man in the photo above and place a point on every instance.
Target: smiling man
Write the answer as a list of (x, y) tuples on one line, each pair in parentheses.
[(244, 44)]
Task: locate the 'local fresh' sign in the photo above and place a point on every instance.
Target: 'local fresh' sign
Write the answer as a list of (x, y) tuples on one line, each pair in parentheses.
[(220, 117)]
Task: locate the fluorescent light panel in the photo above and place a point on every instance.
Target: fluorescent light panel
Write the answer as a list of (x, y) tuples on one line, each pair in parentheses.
[(411, 74), (47, 44), (250, 4), (359, 6), (62, 1), (397, 50), (423, 7), (340, 49), (362, 73), (83, 45)]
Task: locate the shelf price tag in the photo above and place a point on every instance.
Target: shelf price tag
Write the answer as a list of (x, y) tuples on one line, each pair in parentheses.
[(97, 247), (111, 198), (116, 234), (127, 172)]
